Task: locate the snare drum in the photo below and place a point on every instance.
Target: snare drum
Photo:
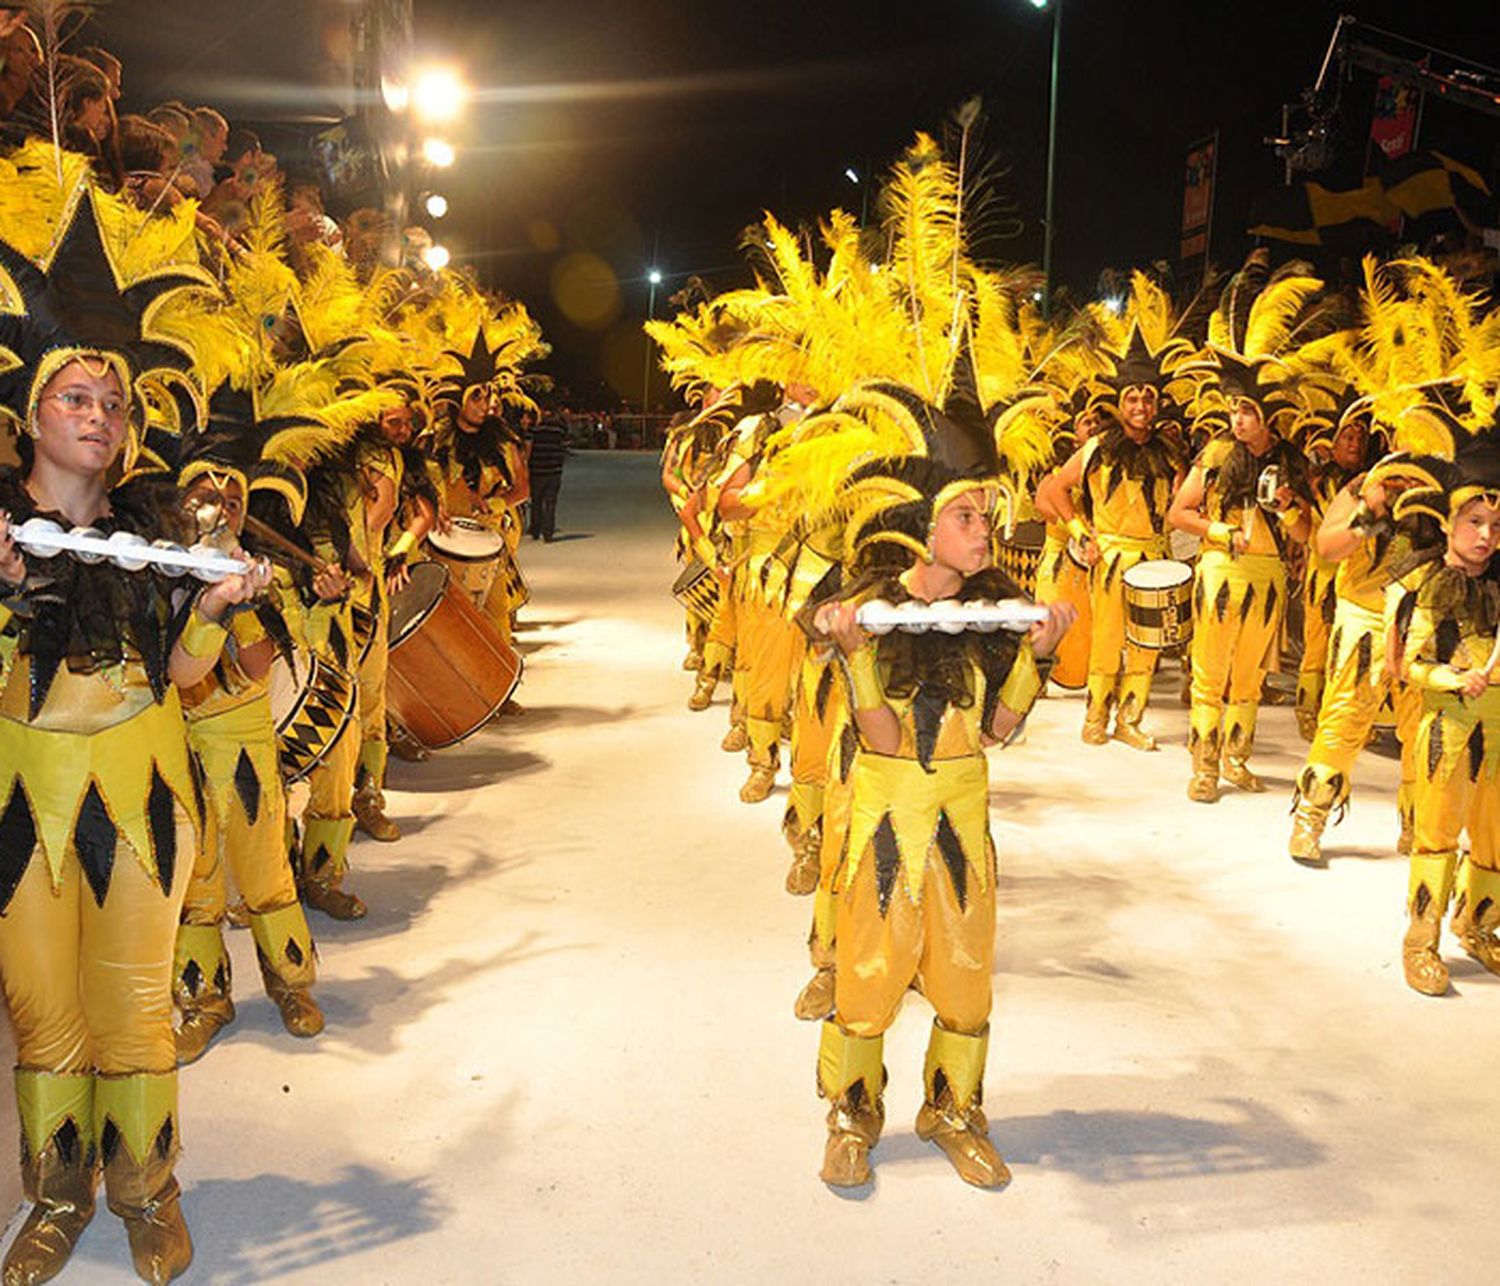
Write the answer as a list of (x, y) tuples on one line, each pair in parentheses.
[(312, 701), (449, 671), (1020, 555), (1159, 604), (697, 589), (471, 553)]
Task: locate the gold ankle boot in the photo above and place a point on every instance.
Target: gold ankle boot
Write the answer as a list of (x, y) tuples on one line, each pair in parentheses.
[(59, 1170), (1237, 773), (1315, 798), (333, 900), (735, 740), (704, 689), (137, 1124), (852, 1077), (284, 950), (201, 989), (758, 785), (324, 861), (952, 1115), (1239, 741), (1096, 721), (815, 1000), (693, 660), (369, 813), (1203, 785), (1428, 888), (802, 876), (1476, 915)]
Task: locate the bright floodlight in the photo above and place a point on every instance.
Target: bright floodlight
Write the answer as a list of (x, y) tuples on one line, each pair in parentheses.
[(654, 277), (436, 205), (1038, 4), (436, 257), (1115, 304), (438, 94), (851, 175), (396, 94), (438, 152)]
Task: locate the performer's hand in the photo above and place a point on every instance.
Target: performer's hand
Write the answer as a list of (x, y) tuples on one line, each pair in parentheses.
[(1284, 499), (331, 584), (1474, 682), (1046, 635), (838, 621), (444, 522), (12, 565), (398, 580), (239, 588), (1375, 497), (1237, 542), (1091, 552)]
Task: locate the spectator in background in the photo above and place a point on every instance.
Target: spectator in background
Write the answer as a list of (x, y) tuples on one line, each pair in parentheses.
[(148, 154), (20, 58), (549, 450), (107, 63), (205, 144)]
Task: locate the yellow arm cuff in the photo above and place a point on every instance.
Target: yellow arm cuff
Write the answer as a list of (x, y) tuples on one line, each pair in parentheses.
[(1023, 684), (1079, 529), (1437, 678), (403, 544), (202, 638), (246, 629), (864, 678), (1220, 535)]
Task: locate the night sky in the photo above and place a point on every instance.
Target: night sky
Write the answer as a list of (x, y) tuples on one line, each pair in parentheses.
[(654, 131)]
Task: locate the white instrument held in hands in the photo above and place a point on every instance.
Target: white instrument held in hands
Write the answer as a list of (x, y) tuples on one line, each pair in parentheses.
[(45, 539), (949, 616)]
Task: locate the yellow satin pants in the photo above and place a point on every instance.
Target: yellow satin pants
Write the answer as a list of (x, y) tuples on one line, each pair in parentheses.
[(949, 949), (1455, 790), (90, 987), (1317, 629), (1115, 663), (372, 676), (1356, 685), (815, 714), (770, 649), (1238, 604)]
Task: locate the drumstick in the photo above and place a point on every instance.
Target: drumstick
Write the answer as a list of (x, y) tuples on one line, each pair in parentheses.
[(273, 537)]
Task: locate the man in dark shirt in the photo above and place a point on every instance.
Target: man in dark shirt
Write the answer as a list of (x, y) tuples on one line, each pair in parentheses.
[(549, 449)]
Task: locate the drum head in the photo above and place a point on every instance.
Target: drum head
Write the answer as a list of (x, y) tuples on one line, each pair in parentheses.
[(1159, 573), (467, 539), (409, 608)]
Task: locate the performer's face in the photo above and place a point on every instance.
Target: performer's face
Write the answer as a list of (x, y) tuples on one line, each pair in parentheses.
[(961, 534), (397, 425), (476, 406), (1138, 405), (214, 501), (1473, 535), (1349, 445), (1246, 423), (82, 418)]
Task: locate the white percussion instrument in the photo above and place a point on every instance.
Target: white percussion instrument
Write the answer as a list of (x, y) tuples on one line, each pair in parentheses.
[(1159, 603), (471, 553), (126, 550), (949, 616)]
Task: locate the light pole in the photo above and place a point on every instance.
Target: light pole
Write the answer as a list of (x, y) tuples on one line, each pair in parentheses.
[(1057, 7), (654, 277)]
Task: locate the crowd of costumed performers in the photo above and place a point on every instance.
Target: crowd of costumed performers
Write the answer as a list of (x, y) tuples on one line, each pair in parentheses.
[(908, 504), (262, 527)]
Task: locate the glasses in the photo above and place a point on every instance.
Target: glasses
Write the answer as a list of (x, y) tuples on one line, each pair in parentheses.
[(77, 402)]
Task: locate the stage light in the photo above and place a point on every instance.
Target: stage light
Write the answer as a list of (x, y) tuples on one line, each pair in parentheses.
[(851, 174), (1038, 4), (436, 257), (654, 277), (396, 95), (438, 152), (436, 205), (1115, 304), (439, 94)]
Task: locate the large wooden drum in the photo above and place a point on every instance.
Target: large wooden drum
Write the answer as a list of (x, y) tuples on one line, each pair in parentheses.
[(449, 670)]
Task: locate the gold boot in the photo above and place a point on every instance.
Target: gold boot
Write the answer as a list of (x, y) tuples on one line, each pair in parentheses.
[(952, 1115), (284, 949), (403, 745), (369, 813), (1096, 712), (1205, 749), (1315, 798), (201, 988), (59, 1169), (693, 660), (1239, 741), (1133, 691), (815, 1000), (1430, 883), (852, 1077), (1476, 915), (735, 739), (136, 1121), (758, 786), (802, 875), (325, 858), (704, 689)]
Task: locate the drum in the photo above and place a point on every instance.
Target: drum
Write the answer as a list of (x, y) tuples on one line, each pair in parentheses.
[(449, 671), (1184, 546), (697, 589), (1020, 555), (1159, 603), (471, 553), (312, 701)]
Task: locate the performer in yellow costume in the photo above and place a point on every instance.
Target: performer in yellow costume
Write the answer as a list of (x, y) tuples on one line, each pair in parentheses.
[(1126, 474), (1060, 576), (101, 806), (1449, 628), (916, 883), (1245, 497)]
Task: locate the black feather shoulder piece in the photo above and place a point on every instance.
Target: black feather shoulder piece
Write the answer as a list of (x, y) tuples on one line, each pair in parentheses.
[(92, 616)]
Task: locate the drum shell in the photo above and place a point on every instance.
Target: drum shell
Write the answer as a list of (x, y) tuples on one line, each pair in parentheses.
[(1158, 617), (1020, 554), (697, 589), (323, 702), (450, 673), (1063, 580)]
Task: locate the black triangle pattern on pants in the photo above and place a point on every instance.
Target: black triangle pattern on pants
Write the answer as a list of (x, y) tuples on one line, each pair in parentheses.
[(17, 842), (161, 814), (94, 838), (887, 861), (952, 850), (247, 785)]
